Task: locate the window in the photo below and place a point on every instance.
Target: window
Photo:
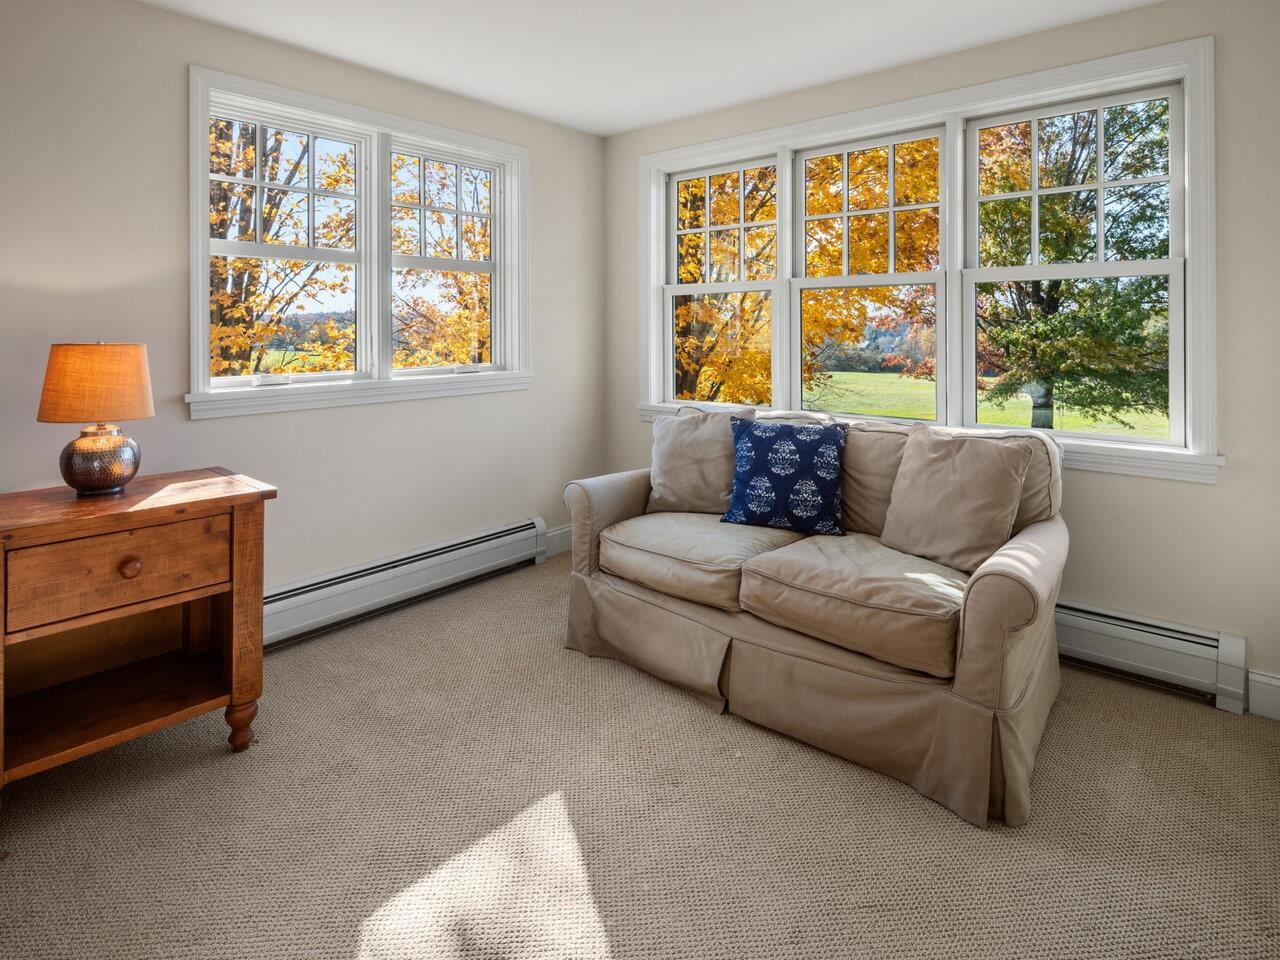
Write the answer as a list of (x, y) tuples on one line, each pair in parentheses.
[(1076, 236), (724, 262), (345, 256), (1032, 253), (868, 275)]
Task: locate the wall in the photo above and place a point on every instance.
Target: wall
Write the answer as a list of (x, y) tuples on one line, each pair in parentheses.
[(1203, 555), (94, 245)]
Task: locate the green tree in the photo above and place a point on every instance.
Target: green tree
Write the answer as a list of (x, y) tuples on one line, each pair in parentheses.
[(1096, 345)]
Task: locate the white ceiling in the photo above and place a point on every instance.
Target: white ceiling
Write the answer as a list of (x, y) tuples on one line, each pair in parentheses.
[(606, 66)]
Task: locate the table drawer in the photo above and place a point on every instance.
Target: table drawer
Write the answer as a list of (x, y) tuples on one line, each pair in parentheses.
[(58, 581)]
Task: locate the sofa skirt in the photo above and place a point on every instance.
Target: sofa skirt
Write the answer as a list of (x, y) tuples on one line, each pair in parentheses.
[(973, 759)]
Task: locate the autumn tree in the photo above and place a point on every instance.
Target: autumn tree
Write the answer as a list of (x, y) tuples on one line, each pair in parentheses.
[(259, 320), (722, 340), (289, 314)]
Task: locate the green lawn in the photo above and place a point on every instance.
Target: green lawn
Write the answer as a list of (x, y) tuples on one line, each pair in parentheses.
[(891, 395)]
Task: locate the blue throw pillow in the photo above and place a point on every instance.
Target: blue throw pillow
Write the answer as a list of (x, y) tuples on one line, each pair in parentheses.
[(787, 476)]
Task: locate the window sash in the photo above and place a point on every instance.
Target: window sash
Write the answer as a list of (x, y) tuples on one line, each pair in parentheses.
[(1176, 177)]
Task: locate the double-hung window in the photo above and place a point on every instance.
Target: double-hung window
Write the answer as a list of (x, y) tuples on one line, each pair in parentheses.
[(346, 256), (1033, 253), (722, 282), (868, 276)]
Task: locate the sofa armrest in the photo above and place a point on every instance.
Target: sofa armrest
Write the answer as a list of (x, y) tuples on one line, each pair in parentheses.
[(599, 503), (1008, 614)]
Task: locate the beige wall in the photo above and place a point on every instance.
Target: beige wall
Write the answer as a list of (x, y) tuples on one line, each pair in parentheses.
[(1203, 555), (94, 245)]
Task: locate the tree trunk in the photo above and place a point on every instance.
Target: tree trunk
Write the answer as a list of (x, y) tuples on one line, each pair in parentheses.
[(1041, 393)]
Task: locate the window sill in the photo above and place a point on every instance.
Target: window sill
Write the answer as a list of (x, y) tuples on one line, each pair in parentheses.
[(241, 401), (1100, 456)]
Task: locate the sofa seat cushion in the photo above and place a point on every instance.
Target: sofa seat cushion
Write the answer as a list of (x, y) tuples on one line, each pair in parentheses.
[(690, 555), (858, 594)]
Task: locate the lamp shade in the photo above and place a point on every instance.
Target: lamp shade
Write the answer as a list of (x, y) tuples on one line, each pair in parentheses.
[(96, 382)]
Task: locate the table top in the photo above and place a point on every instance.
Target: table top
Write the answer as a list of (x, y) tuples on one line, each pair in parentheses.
[(143, 500)]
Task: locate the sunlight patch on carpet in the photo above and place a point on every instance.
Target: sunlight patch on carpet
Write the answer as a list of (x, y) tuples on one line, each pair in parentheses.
[(522, 891)]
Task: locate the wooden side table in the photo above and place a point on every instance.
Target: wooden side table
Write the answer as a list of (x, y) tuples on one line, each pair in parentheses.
[(126, 614)]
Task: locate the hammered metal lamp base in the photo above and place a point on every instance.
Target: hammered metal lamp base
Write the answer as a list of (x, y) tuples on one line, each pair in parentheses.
[(100, 461)]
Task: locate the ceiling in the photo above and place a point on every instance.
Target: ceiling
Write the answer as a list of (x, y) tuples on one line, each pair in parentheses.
[(607, 66)]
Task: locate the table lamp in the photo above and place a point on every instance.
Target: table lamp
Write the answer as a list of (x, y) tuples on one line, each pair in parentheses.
[(98, 383)]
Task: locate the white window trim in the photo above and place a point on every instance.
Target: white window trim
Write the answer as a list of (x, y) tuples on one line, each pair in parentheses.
[(377, 383), (1189, 63)]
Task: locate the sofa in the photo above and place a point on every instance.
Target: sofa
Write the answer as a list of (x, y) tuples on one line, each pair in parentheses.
[(939, 677)]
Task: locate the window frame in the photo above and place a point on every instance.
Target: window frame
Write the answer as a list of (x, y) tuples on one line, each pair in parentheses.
[(1189, 64), (375, 134)]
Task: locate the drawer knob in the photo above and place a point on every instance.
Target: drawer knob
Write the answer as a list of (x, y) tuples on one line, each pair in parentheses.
[(130, 567)]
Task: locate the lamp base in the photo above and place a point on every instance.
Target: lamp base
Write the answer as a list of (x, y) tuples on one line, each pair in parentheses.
[(100, 461)]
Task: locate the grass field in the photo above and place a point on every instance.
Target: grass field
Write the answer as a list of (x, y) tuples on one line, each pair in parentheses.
[(891, 395)]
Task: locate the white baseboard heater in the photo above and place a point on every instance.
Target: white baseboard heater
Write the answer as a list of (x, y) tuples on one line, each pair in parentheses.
[(1210, 662), (311, 604)]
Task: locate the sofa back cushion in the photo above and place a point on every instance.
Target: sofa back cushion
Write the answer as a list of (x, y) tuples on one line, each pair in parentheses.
[(873, 452), (692, 469), (955, 497)]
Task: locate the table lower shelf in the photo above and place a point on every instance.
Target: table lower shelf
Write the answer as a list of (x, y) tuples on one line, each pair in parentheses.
[(48, 727)]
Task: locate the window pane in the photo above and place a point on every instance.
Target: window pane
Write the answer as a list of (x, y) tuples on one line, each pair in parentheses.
[(915, 171), (335, 166), (823, 187), (231, 212), (916, 239), (406, 231), (476, 243), (869, 243), (869, 178), (823, 248), (760, 194), (284, 217), (335, 223), (761, 255), (1137, 140), (439, 234), (406, 179), (1004, 159), (1137, 222), (1069, 227), (1069, 149), (280, 316), (722, 347), (285, 156), (440, 185), (870, 350), (439, 318), (1086, 355), (1004, 232), (724, 256), (724, 199), (691, 257), (474, 191), (232, 147), (691, 204)]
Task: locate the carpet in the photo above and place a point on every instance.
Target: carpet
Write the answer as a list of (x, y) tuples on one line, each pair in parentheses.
[(446, 780)]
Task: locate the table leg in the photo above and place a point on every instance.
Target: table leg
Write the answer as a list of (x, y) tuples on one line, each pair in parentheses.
[(240, 718)]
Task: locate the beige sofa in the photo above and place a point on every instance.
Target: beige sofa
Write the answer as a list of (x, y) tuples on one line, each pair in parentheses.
[(941, 679)]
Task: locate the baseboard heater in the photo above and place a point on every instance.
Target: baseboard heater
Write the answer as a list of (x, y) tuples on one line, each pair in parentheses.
[(1210, 662), (311, 604)]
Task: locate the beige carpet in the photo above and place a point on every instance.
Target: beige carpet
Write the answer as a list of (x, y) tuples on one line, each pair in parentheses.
[(447, 781)]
